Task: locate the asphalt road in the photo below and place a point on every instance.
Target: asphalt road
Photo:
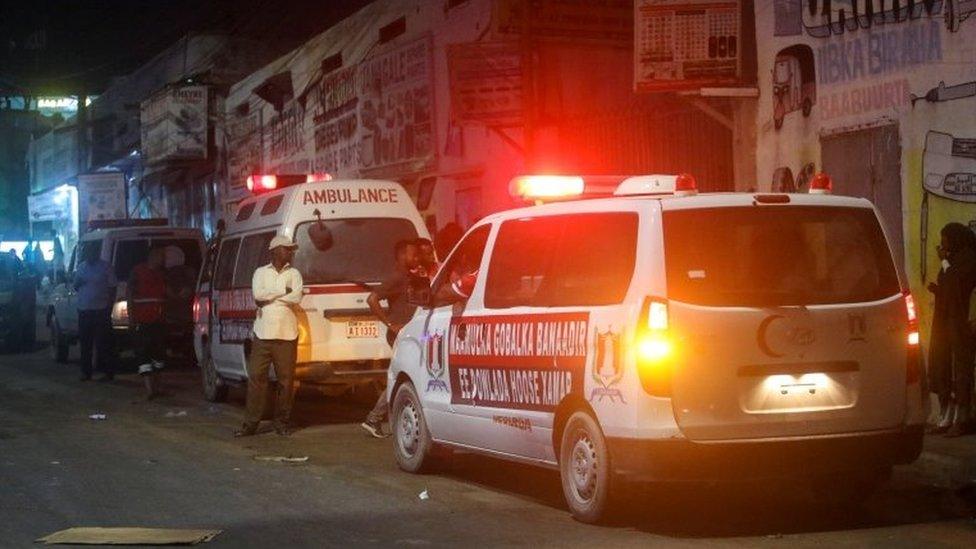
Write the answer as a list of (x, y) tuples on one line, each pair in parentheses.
[(173, 463)]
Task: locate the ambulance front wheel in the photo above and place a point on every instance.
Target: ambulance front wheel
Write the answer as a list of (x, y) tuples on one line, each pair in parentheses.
[(412, 444), (584, 467)]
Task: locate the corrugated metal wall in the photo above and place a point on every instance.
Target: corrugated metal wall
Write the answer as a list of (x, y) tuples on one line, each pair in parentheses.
[(669, 137)]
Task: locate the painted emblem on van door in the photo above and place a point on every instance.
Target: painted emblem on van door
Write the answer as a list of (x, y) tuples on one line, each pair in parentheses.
[(435, 362), (607, 369)]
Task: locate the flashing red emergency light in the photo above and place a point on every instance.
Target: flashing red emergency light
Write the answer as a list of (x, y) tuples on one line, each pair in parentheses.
[(259, 183), (821, 184), (547, 187), (685, 185), (313, 177)]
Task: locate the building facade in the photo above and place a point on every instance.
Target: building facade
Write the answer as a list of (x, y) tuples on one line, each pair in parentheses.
[(452, 99), (879, 95)]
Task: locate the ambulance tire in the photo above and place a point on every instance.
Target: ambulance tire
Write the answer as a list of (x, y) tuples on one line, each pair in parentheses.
[(214, 387), (412, 445), (584, 468)]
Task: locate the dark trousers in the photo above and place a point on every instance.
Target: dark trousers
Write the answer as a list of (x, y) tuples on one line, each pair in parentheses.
[(265, 352), (150, 342), (95, 334)]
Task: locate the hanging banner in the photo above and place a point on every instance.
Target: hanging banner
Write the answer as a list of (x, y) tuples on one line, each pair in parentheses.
[(244, 148), (101, 196), (681, 44), (174, 124), (486, 82)]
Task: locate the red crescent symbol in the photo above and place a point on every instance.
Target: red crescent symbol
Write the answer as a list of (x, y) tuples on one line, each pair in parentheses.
[(761, 336)]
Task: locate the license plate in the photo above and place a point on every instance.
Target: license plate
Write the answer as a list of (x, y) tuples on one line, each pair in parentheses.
[(356, 329)]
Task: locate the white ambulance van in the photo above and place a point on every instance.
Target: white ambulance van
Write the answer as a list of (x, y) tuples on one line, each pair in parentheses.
[(345, 231), (663, 335)]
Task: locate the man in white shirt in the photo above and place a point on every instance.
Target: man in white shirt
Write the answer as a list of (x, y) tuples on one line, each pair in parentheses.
[(277, 291)]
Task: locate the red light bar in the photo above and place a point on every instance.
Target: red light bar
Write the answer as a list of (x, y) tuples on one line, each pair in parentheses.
[(259, 183), (313, 177), (543, 187)]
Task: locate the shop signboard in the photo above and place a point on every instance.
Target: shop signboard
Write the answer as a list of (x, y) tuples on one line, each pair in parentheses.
[(605, 21), (101, 196), (174, 124)]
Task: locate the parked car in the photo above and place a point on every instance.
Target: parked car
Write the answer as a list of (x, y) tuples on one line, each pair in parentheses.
[(18, 300), (124, 245)]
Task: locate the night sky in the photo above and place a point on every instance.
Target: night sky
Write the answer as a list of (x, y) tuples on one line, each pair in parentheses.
[(60, 47)]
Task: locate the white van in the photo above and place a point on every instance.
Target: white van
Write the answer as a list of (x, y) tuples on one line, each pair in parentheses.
[(346, 232), (671, 338), (123, 244)]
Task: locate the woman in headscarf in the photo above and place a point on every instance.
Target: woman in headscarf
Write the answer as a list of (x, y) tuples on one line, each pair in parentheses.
[(953, 347)]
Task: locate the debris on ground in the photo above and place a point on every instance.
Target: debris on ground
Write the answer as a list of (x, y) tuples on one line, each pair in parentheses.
[(129, 536), (181, 413), (97, 417), (424, 495), (282, 459)]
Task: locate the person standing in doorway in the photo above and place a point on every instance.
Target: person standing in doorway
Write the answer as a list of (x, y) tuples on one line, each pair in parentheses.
[(277, 289), (95, 283), (146, 300), (396, 290), (955, 386)]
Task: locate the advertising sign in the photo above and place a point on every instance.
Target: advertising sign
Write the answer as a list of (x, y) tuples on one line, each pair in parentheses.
[(486, 82), (377, 116), (174, 124), (51, 205), (244, 148), (681, 44), (606, 20), (101, 196)]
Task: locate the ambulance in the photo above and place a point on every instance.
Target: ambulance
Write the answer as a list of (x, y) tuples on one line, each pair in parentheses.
[(647, 332), (346, 232)]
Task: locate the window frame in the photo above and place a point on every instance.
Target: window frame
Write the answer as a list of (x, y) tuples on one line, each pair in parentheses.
[(246, 283), (445, 268), (215, 281)]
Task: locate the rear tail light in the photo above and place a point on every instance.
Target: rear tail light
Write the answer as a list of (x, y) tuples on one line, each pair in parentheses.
[(201, 308), (913, 366), (655, 348)]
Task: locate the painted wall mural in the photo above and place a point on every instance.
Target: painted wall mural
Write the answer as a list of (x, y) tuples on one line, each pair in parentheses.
[(908, 65)]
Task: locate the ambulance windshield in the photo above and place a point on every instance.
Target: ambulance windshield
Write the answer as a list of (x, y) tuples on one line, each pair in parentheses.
[(358, 250), (762, 257)]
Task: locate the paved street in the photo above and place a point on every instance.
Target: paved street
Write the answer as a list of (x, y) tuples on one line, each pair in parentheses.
[(148, 464)]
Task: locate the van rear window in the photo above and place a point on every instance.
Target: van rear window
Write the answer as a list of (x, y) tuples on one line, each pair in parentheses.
[(777, 256), (349, 250)]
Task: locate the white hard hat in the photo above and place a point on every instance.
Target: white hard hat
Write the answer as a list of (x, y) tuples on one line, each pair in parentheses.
[(282, 240)]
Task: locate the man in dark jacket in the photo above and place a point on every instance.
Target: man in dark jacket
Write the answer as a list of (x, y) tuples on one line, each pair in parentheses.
[(954, 290)]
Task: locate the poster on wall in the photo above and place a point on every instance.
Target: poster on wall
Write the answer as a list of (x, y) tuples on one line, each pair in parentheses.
[(101, 196), (174, 124), (681, 44), (377, 117), (486, 83), (243, 148), (604, 21)]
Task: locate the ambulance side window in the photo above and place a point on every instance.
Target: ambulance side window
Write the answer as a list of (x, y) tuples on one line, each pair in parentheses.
[(224, 276), (254, 253)]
